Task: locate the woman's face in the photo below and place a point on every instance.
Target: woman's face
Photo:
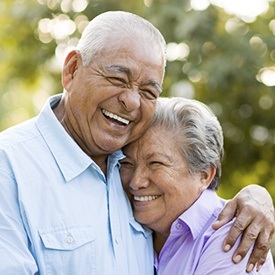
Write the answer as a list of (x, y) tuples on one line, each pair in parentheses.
[(156, 179)]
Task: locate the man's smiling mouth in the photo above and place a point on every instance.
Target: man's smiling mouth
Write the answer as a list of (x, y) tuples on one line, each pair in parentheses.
[(115, 117)]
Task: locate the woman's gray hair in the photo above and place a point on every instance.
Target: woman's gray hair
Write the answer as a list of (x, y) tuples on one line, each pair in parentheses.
[(197, 130), (95, 36)]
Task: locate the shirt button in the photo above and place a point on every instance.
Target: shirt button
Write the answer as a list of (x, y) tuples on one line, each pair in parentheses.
[(179, 226), (70, 239)]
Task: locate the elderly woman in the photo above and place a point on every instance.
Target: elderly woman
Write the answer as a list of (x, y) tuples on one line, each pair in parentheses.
[(170, 175)]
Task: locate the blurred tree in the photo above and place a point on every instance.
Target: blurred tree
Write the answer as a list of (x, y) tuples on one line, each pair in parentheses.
[(222, 69), (218, 58)]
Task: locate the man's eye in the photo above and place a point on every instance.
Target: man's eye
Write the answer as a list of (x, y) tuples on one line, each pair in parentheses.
[(117, 80), (148, 94)]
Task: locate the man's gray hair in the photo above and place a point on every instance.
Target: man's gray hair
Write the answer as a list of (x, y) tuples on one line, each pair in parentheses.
[(197, 130), (95, 36)]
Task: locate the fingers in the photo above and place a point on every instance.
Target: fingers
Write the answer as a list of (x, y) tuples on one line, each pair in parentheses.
[(240, 224), (248, 238), (253, 233), (254, 211), (259, 252), (226, 215)]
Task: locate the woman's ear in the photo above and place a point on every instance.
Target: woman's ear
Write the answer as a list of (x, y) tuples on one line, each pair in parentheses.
[(70, 68), (207, 177)]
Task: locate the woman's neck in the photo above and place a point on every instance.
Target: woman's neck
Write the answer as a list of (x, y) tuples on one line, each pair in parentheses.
[(159, 240)]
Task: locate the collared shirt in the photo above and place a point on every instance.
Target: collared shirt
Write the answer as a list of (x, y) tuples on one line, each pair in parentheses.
[(194, 248), (59, 214)]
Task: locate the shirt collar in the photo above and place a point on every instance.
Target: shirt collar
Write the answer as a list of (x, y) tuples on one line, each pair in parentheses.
[(200, 212), (71, 159)]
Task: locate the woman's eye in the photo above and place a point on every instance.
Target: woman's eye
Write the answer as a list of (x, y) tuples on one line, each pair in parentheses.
[(156, 163), (126, 164)]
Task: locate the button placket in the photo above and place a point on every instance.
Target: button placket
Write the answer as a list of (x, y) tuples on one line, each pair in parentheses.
[(179, 226)]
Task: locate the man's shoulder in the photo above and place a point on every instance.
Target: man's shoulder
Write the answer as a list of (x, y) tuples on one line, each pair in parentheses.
[(18, 134)]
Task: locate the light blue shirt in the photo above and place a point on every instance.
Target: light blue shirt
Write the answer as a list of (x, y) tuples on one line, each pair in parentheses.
[(194, 248), (59, 214)]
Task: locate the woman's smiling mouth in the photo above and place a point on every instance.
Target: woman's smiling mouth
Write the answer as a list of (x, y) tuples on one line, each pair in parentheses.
[(145, 198)]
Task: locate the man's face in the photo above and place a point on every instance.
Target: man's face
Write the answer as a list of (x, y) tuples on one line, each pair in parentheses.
[(111, 101)]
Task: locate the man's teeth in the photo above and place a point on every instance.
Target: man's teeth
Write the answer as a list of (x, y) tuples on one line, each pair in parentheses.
[(116, 117), (145, 198)]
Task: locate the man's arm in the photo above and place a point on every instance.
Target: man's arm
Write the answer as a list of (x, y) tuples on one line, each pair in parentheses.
[(14, 253), (254, 211)]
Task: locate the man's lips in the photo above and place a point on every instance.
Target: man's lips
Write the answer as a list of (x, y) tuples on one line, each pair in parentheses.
[(115, 117)]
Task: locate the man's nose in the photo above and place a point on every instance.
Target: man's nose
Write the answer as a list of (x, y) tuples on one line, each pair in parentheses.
[(130, 99)]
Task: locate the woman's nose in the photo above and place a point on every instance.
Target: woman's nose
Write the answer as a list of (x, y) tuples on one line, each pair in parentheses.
[(138, 181)]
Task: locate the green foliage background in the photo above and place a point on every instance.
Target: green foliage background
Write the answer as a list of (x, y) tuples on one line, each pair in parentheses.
[(222, 70)]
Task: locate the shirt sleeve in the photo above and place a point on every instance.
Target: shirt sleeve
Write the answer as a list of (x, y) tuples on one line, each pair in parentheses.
[(15, 254), (214, 261)]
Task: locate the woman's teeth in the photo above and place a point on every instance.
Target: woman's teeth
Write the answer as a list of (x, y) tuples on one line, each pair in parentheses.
[(145, 198)]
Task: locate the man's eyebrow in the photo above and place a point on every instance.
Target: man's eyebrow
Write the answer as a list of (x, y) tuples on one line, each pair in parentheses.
[(119, 69)]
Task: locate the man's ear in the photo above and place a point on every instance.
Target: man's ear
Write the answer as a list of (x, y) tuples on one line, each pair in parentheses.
[(70, 67)]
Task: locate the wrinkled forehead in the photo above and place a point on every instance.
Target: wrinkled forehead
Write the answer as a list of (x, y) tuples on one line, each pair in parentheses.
[(150, 138), (134, 59), (137, 42)]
